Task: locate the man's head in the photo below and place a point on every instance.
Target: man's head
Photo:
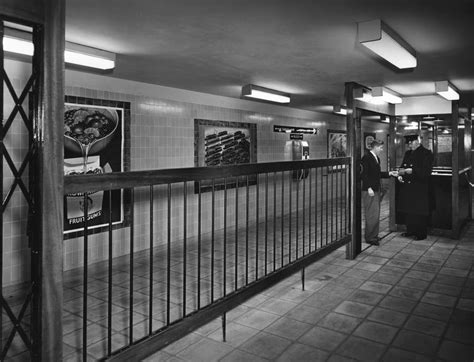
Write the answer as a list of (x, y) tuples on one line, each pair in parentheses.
[(413, 141), (376, 146)]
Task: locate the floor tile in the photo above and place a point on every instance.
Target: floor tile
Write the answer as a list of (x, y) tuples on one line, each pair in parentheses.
[(339, 322), (241, 356), (398, 304), (257, 319), (408, 293), (376, 332), (388, 316), (397, 355), (303, 353), (323, 338), (416, 342), (364, 296), (426, 325), (456, 352), (439, 299), (288, 328), (433, 311), (463, 333), (466, 304), (386, 278), (361, 349), (277, 306), (376, 287), (354, 309), (236, 334), (265, 345), (306, 314), (205, 350)]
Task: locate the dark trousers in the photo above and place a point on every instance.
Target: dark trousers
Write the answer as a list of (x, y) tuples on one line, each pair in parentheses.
[(417, 225), (372, 215)]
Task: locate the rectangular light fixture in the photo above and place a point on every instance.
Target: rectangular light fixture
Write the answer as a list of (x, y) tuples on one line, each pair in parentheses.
[(19, 42), (446, 90), (383, 41), (338, 109), (88, 57), (386, 95), (365, 95), (265, 94)]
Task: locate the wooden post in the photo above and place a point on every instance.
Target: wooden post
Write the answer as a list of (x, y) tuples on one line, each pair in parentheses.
[(353, 127), (455, 228), (393, 163), (51, 180)]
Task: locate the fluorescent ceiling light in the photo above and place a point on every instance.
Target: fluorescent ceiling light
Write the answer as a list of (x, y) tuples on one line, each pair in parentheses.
[(19, 42), (365, 95), (386, 95), (265, 94), (383, 41), (338, 109), (446, 90), (18, 46)]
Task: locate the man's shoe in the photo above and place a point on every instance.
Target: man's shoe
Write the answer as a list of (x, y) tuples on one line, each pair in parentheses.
[(407, 234), (374, 242), (419, 238)]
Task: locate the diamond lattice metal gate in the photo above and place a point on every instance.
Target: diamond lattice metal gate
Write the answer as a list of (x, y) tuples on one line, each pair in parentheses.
[(20, 227)]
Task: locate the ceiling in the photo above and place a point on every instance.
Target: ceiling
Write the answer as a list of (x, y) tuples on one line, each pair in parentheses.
[(307, 48)]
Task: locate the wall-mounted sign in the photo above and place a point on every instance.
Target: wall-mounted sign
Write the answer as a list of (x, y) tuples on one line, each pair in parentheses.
[(296, 136), (302, 130)]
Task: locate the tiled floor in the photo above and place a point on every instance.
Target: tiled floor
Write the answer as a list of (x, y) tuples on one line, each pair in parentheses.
[(405, 300)]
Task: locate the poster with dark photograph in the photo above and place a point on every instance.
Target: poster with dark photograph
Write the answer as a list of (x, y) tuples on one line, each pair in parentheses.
[(337, 147), (94, 143), (221, 143)]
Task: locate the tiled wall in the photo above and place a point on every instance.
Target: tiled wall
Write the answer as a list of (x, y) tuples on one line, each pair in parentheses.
[(162, 136)]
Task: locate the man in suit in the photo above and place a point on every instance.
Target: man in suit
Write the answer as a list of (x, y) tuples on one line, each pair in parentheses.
[(413, 199), (371, 189)]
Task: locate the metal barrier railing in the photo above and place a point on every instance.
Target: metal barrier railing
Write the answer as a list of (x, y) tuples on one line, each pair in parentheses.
[(215, 237)]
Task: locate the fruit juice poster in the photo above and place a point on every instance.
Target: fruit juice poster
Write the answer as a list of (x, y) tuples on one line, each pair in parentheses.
[(93, 144)]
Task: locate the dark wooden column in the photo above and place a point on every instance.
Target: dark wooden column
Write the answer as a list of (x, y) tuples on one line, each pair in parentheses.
[(455, 168), (393, 163), (353, 127), (51, 179)]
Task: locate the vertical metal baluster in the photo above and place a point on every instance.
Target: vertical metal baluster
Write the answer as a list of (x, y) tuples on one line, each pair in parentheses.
[(150, 305), (327, 205), (266, 221), (185, 246), (247, 231), (168, 260), (304, 211), (109, 292), (132, 242), (199, 248), (274, 220), (224, 336), (302, 279), (257, 214), (282, 216), (236, 256), (85, 277), (315, 208), (297, 216), (213, 202), (289, 216), (322, 206), (310, 239), (338, 177), (224, 272), (332, 204)]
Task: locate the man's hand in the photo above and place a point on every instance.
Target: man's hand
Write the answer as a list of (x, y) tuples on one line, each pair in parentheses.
[(370, 191), (409, 171)]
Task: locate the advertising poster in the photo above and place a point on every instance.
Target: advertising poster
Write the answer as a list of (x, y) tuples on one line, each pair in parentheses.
[(93, 144)]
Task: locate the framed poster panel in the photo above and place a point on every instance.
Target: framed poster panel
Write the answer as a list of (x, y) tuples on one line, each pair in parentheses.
[(96, 140), (222, 143), (337, 147)]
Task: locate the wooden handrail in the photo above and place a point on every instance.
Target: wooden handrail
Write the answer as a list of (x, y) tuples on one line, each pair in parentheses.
[(124, 180)]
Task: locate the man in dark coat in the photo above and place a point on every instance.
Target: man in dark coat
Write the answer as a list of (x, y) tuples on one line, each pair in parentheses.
[(371, 188), (413, 199)]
